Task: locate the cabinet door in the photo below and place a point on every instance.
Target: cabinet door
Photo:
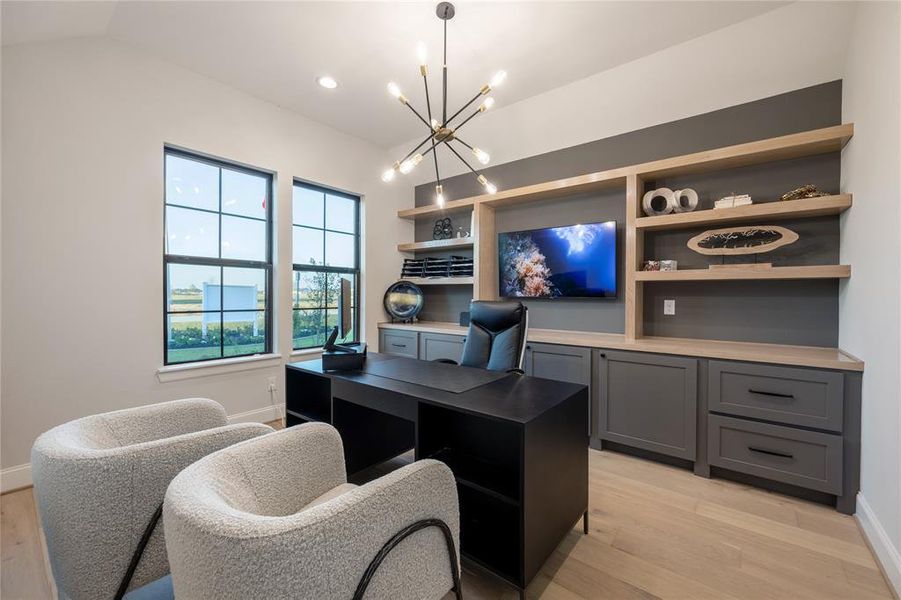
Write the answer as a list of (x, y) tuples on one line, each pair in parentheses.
[(433, 346), (648, 401), (398, 341), (561, 363)]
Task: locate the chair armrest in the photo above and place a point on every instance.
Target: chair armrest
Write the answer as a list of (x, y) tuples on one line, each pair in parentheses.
[(326, 549), (446, 361), (516, 370)]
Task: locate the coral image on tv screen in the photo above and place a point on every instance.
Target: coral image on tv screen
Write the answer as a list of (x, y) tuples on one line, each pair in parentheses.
[(577, 261)]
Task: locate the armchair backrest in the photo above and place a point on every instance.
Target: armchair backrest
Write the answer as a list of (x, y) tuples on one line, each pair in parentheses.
[(497, 335), (98, 481)]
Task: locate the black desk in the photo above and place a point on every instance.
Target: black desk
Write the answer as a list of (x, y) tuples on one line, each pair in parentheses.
[(517, 447)]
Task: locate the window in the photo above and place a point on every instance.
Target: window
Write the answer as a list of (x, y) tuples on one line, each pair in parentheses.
[(326, 247), (217, 259)]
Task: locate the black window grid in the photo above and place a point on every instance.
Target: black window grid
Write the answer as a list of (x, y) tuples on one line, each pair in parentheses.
[(220, 262), (353, 272)]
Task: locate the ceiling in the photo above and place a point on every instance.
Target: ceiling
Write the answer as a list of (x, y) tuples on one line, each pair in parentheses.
[(277, 50)]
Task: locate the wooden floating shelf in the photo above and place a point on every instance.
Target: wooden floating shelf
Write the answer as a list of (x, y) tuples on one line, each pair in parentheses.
[(740, 273), (785, 147), (439, 280), (771, 211), (435, 245), (529, 193)]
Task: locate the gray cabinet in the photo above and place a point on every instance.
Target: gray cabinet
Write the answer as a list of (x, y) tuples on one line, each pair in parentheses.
[(648, 401), (785, 395), (400, 342), (433, 346), (561, 363)]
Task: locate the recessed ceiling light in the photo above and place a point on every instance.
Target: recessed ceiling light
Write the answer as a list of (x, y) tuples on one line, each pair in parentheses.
[(327, 82)]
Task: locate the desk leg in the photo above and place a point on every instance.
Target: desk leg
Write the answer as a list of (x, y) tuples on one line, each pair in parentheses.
[(585, 522)]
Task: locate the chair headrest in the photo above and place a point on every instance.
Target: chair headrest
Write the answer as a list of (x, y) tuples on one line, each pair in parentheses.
[(496, 316)]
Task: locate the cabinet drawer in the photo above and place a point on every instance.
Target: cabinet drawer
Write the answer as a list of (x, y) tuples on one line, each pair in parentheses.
[(396, 341), (807, 459), (782, 394)]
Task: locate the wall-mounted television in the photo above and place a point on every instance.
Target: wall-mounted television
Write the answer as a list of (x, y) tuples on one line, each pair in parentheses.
[(575, 261)]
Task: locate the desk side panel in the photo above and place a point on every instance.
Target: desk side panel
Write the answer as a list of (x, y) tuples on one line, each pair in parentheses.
[(555, 480)]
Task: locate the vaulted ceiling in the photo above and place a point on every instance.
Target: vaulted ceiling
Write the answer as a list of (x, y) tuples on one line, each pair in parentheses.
[(277, 50)]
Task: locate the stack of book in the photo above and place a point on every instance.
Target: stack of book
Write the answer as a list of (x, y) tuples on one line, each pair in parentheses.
[(455, 266), (413, 267)]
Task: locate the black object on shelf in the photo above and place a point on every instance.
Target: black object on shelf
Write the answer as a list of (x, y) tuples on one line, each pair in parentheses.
[(403, 301), (443, 230)]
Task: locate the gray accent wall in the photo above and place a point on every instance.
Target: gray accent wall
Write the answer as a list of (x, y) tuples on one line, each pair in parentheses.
[(792, 312)]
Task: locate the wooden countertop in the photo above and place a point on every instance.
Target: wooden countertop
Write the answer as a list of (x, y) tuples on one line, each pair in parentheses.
[(780, 354)]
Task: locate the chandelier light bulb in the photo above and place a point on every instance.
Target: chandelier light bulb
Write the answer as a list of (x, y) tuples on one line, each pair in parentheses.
[(422, 53), (482, 156), (434, 123), (410, 164), (439, 195), (394, 90), (388, 175), (489, 187), (487, 104), (498, 79)]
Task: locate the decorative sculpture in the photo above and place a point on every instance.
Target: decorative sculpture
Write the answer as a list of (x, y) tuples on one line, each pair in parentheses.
[(752, 239), (805, 191)]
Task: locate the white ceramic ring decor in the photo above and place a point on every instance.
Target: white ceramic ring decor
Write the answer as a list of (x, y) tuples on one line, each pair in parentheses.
[(647, 202), (686, 200)]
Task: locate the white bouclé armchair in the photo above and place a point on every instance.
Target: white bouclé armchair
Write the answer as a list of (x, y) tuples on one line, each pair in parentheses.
[(99, 483), (275, 518)]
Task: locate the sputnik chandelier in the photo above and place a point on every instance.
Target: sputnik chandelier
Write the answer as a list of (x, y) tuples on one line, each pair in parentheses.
[(443, 132)]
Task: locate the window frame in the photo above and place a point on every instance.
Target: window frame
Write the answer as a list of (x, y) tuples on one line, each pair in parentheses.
[(353, 271), (222, 263)]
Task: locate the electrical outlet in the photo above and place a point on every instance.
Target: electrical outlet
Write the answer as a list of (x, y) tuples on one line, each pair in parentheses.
[(272, 384), (669, 307)]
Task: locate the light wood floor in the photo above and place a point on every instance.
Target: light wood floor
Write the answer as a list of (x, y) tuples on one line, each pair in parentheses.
[(656, 532)]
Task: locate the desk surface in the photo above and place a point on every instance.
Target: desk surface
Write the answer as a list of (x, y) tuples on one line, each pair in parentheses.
[(516, 398)]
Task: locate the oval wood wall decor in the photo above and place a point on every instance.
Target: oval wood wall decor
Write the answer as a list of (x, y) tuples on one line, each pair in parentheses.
[(753, 239)]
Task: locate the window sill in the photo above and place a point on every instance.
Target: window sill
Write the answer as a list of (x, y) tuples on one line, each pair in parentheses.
[(307, 352), (217, 367)]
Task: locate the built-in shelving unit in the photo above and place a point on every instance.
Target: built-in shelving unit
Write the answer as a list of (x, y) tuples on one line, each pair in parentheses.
[(632, 180), (770, 211), (440, 280), (436, 245), (727, 273)]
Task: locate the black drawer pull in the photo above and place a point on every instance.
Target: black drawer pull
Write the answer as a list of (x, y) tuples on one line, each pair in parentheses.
[(773, 394), (399, 345), (770, 452)]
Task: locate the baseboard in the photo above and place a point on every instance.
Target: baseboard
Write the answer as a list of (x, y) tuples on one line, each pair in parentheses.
[(888, 556), (266, 414), (15, 478), (18, 477)]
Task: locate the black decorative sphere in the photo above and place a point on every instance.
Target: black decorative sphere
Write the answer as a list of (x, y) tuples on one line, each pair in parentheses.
[(404, 300)]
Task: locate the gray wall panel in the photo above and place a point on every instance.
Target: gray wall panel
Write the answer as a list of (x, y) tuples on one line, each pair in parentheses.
[(801, 312)]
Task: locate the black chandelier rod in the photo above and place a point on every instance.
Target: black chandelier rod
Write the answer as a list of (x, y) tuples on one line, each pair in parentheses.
[(416, 112), (451, 148), (428, 103), (413, 151), (465, 106), (444, 75)]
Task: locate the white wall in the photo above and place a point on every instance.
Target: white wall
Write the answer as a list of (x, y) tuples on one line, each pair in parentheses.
[(870, 313), (83, 127), (753, 59)]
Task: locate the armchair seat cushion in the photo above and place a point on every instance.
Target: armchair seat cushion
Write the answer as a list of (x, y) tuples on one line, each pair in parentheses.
[(330, 495)]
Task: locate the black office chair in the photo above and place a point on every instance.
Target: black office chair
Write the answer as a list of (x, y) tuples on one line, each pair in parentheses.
[(497, 336)]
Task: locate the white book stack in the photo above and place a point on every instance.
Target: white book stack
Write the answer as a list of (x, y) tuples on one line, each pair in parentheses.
[(733, 201)]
